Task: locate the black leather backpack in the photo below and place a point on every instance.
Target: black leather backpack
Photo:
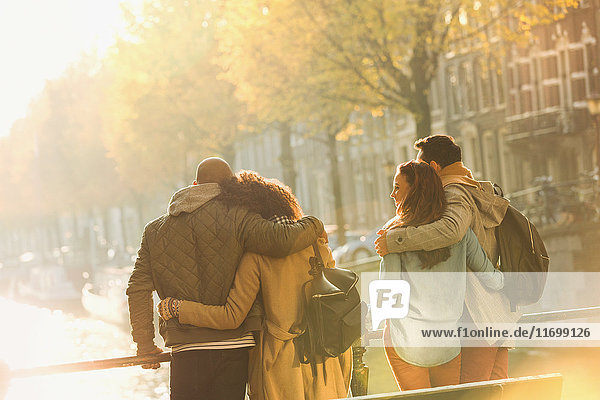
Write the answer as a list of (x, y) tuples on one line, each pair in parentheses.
[(523, 257), (332, 313)]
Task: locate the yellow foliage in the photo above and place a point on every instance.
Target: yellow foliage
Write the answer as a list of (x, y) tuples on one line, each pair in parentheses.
[(170, 106)]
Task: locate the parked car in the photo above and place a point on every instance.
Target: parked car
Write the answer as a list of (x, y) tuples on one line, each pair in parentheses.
[(356, 249), (334, 242)]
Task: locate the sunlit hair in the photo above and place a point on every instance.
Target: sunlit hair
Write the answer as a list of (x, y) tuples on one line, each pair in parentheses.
[(266, 197), (424, 203)]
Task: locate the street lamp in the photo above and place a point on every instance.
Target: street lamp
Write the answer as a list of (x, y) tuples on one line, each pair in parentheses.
[(593, 103)]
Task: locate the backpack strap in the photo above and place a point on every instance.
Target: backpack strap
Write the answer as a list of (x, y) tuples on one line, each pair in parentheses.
[(305, 343), (316, 262)]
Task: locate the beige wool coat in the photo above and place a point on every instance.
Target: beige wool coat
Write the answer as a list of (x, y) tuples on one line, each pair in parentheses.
[(274, 370)]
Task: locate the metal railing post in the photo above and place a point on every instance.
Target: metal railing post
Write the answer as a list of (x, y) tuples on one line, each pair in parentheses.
[(360, 371)]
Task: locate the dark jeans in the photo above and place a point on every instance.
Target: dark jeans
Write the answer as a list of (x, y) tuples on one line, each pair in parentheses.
[(209, 374)]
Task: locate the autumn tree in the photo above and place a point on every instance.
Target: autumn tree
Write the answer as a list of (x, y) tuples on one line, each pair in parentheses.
[(167, 104), (390, 50), (57, 163), (277, 78), (58, 151)]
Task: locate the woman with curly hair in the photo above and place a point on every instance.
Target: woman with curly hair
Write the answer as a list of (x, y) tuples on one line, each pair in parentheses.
[(437, 281), (274, 369)]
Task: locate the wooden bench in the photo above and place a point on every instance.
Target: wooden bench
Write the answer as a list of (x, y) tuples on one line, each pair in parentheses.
[(543, 387)]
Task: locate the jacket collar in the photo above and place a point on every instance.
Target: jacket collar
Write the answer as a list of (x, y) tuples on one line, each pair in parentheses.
[(458, 173), (192, 197)]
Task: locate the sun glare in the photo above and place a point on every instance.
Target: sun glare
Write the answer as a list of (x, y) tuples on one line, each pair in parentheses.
[(39, 39)]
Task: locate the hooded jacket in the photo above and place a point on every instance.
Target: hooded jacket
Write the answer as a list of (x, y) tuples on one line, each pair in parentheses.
[(192, 253), (471, 204)]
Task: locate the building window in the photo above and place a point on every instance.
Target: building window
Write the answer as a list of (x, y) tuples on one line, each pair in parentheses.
[(455, 100), (525, 79), (482, 72), (476, 156), (471, 149), (513, 103), (491, 157), (498, 75), (526, 101), (578, 74), (550, 81), (468, 87), (552, 95), (524, 74), (578, 89), (550, 67), (576, 59)]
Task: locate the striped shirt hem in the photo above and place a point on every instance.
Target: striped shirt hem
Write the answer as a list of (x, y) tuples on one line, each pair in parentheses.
[(244, 341)]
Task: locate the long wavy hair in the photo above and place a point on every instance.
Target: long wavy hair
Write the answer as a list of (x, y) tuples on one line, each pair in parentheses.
[(424, 203), (266, 197)]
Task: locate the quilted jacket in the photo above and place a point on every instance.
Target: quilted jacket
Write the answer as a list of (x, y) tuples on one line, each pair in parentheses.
[(192, 253)]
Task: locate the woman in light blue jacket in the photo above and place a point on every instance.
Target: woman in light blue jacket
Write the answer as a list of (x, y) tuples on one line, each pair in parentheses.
[(437, 285)]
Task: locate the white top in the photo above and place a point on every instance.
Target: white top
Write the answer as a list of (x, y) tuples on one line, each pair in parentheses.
[(437, 296)]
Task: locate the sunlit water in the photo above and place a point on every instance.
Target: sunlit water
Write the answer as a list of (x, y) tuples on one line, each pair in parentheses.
[(33, 336)]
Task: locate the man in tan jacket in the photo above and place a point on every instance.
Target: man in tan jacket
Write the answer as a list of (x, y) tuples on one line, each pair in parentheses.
[(470, 204), (192, 252)]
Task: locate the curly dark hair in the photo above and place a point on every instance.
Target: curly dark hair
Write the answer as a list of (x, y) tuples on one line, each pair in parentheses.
[(266, 197)]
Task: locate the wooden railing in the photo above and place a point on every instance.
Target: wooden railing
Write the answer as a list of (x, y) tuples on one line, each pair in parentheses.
[(547, 387), (92, 365)]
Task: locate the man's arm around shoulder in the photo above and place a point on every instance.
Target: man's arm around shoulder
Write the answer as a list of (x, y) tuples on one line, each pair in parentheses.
[(278, 240), (446, 231)]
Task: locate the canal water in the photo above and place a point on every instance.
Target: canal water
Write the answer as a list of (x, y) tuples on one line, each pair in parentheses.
[(34, 336)]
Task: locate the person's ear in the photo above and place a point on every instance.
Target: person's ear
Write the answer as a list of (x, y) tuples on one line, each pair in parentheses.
[(437, 167)]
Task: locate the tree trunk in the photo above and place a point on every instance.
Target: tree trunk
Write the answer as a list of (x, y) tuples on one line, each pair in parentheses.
[(139, 203), (57, 231), (93, 242), (107, 226), (76, 242), (337, 190), (421, 79), (287, 156), (423, 120), (421, 110), (124, 230)]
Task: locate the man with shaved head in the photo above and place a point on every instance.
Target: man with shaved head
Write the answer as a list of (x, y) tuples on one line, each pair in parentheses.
[(192, 253), (213, 169)]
